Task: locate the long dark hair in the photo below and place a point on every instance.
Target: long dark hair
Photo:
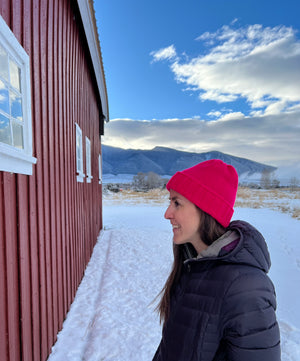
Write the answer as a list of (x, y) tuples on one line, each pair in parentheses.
[(209, 231)]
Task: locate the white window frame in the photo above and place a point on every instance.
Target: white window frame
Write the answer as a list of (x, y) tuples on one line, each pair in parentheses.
[(88, 160), (79, 155), (13, 159), (100, 168)]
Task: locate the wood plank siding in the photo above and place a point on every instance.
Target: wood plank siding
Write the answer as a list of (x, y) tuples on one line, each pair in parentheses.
[(49, 222)]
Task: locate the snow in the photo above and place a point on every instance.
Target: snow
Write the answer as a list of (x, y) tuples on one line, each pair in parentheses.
[(113, 315), (117, 178), (284, 174)]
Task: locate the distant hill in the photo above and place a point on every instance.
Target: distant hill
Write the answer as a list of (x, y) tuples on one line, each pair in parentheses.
[(166, 161)]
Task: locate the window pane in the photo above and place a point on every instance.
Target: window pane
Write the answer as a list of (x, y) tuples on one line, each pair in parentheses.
[(4, 100), (3, 64), (16, 106), (78, 165), (78, 156), (15, 72), (18, 135), (88, 157), (5, 134)]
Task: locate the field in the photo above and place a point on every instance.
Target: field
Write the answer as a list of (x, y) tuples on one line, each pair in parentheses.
[(285, 200)]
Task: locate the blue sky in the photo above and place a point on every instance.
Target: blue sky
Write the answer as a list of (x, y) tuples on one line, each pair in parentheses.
[(203, 75)]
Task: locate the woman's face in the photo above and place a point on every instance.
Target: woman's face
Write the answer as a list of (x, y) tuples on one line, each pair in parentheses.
[(185, 220)]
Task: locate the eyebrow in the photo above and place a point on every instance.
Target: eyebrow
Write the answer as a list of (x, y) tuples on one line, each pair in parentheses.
[(174, 198)]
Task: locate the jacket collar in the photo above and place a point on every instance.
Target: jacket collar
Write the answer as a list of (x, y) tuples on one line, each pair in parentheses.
[(228, 238), (244, 244)]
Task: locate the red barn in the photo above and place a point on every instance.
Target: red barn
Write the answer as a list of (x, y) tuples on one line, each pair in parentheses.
[(53, 104)]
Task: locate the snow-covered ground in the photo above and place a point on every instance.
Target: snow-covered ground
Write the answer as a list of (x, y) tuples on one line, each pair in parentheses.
[(113, 317)]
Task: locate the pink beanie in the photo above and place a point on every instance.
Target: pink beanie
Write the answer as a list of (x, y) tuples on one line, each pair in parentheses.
[(211, 185)]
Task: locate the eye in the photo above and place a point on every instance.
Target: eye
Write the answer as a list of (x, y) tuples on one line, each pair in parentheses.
[(176, 203)]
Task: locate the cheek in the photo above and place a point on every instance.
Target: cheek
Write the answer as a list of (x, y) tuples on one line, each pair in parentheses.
[(195, 223), (194, 227)]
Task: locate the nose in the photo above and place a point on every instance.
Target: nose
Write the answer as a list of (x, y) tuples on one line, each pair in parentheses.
[(168, 213)]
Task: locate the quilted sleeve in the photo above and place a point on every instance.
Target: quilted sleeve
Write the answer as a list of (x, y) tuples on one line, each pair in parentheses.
[(250, 329)]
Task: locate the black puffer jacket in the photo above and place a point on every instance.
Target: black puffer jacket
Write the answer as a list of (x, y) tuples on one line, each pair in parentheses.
[(224, 307)]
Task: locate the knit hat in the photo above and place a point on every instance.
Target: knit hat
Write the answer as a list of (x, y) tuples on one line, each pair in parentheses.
[(210, 185)]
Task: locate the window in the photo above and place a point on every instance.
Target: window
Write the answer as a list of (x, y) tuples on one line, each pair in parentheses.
[(100, 168), (79, 154), (15, 105), (88, 160)]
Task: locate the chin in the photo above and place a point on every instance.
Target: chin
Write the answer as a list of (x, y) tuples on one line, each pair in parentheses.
[(178, 241)]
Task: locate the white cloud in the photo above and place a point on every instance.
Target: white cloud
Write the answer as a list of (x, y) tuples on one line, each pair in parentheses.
[(214, 113), (3, 98), (218, 96), (167, 53), (234, 21), (260, 65), (232, 116)]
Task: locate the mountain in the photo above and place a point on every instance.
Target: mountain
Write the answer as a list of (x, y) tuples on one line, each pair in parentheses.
[(166, 161)]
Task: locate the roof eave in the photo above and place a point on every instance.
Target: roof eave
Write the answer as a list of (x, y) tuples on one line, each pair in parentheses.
[(87, 13)]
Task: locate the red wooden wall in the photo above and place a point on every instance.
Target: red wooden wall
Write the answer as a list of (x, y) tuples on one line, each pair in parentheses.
[(49, 222)]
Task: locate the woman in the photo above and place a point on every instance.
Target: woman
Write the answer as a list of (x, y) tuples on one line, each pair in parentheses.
[(218, 302)]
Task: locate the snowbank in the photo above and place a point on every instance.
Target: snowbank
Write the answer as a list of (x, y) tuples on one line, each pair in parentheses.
[(113, 317)]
